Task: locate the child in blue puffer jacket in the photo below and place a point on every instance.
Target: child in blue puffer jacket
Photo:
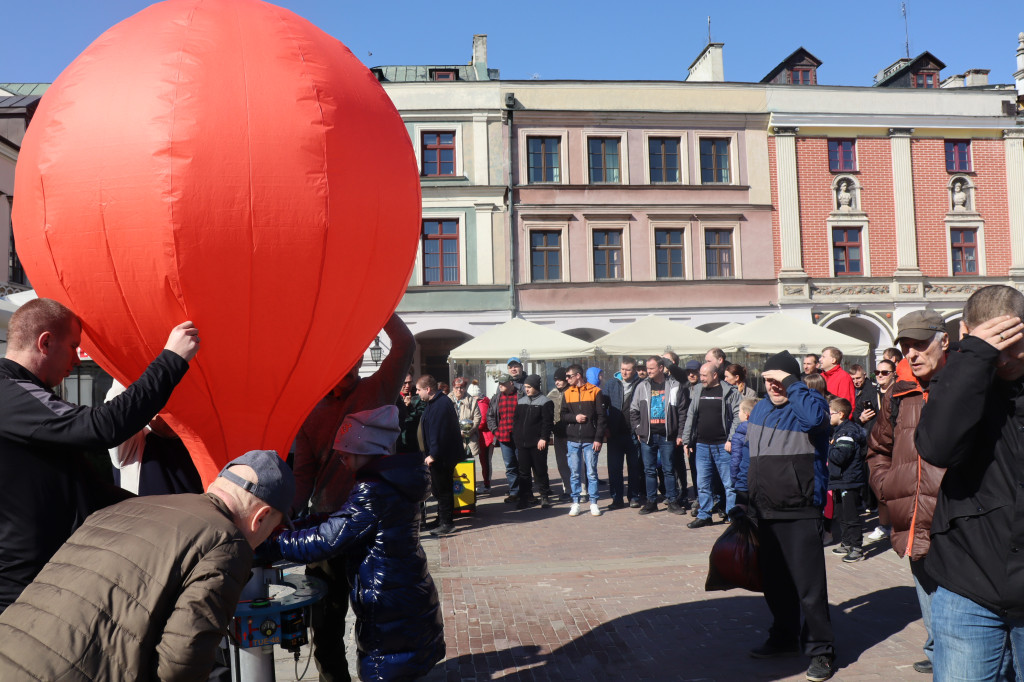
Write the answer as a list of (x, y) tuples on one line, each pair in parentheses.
[(399, 631), (739, 455)]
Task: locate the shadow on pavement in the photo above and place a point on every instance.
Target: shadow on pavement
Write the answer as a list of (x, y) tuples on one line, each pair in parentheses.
[(706, 640)]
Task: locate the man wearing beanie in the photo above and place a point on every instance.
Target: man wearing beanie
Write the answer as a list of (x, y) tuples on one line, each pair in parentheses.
[(558, 432), (146, 588), (531, 431), (788, 433)]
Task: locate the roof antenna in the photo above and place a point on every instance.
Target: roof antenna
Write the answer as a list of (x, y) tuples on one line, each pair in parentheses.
[(906, 27), (709, 30)]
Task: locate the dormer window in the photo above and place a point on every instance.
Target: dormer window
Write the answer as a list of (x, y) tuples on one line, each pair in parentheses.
[(926, 79), (443, 74), (802, 75)]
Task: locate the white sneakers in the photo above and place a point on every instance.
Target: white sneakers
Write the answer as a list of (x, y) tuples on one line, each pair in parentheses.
[(594, 509), (574, 510), (878, 533)]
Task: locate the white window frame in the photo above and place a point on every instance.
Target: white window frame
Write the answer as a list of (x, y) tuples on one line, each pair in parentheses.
[(563, 155), (560, 226), (684, 156), (734, 156), (865, 252), (684, 225), (623, 156), (621, 225), (979, 230), (737, 259), (441, 127), (417, 274)]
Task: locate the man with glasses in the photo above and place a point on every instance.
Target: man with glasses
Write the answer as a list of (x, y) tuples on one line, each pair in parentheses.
[(583, 414)]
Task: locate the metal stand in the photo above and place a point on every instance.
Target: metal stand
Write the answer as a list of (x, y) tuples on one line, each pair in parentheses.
[(273, 609)]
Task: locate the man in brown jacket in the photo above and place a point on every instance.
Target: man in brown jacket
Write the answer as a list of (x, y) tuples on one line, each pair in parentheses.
[(907, 484), (145, 589)]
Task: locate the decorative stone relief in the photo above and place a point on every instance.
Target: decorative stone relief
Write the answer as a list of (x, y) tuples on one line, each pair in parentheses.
[(952, 288), (851, 289), (792, 290), (908, 288)]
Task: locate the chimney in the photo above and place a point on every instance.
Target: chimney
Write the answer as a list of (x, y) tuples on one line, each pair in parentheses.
[(479, 62), (953, 82), (708, 66), (976, 77), (1019, 74)]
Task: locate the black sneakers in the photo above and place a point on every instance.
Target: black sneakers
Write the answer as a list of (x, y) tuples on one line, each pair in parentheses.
[(649, 508), (675, 508), (822, 668), (444, 529), (855, 554), (699, 523)]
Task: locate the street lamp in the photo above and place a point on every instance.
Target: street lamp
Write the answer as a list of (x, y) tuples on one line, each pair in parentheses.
[(376, 350)]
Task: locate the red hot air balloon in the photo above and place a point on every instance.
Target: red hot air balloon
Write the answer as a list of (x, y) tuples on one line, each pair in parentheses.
[(226, 162)]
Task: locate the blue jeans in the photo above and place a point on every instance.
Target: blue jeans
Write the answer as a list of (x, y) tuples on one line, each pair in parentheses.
[(508, 453), (581, 454), (925, 586), (658, 447), (973, 643), (710, 458)]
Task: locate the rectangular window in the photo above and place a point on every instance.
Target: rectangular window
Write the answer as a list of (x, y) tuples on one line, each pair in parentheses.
[(542, 159), (846, 251), (438, 154), (926, 80), (663, 155), (718, 253), (607, 255), (965, 251), (958, 156), (800, 76), (714, 160), (668, 254), (545, 256), (841, 156), (440, 251), (443, 74), (603, 154)]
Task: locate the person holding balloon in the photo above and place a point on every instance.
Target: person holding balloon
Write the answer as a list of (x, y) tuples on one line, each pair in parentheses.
[(48, 486)]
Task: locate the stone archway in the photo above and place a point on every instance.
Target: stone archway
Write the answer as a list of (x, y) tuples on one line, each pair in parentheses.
[(865, 328), (432, 350)]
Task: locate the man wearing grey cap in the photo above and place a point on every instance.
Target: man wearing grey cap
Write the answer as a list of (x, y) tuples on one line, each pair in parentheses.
[(908, 484), (146, 588)]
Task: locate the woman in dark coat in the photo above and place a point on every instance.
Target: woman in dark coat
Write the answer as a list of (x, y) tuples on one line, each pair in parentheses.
[(399, 631)]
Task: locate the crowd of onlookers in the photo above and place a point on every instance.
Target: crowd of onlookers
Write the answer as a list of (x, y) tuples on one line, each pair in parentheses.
[(933, 442)]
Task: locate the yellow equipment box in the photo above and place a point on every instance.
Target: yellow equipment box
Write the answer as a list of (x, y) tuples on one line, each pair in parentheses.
[(464, 483)]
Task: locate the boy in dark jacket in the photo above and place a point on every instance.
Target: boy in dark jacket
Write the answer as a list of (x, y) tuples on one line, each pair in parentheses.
[(399, 631), (531, 432), (739, 461), (846, 477)]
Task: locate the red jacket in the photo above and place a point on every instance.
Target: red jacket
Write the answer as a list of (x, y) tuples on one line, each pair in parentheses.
[(839, 383)]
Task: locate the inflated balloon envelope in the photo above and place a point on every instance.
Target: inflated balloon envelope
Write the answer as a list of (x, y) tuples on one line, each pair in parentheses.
[(226, 162)]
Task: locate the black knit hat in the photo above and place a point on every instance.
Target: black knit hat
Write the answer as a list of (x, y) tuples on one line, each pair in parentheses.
[(784, 361), (533, 380), (559, 373)]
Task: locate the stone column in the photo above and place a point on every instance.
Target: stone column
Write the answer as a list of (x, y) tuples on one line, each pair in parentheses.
[(1013, 141), (484, 243), (903, 201), (481, 168), (789, 203)]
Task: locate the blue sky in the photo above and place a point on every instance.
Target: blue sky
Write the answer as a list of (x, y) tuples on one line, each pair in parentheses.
[(598, 39)]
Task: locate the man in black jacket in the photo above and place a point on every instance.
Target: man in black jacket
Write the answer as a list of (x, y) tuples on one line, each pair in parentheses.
[(972, 426), (531, 431), (441, 443), (49, 487), (623, 446)]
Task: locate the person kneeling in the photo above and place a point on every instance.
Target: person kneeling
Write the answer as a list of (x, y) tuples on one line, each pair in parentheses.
[(398, 620)]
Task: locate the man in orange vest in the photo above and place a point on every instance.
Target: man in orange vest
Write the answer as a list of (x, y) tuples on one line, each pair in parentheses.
[(907, 484)]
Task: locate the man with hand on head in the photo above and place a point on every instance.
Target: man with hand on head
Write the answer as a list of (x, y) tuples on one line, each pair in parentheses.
[(972, 427), (788, 433), (48, 486), (145, 589)]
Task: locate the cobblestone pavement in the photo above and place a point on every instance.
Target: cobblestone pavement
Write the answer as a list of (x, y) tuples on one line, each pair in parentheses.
[(538, 595)]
